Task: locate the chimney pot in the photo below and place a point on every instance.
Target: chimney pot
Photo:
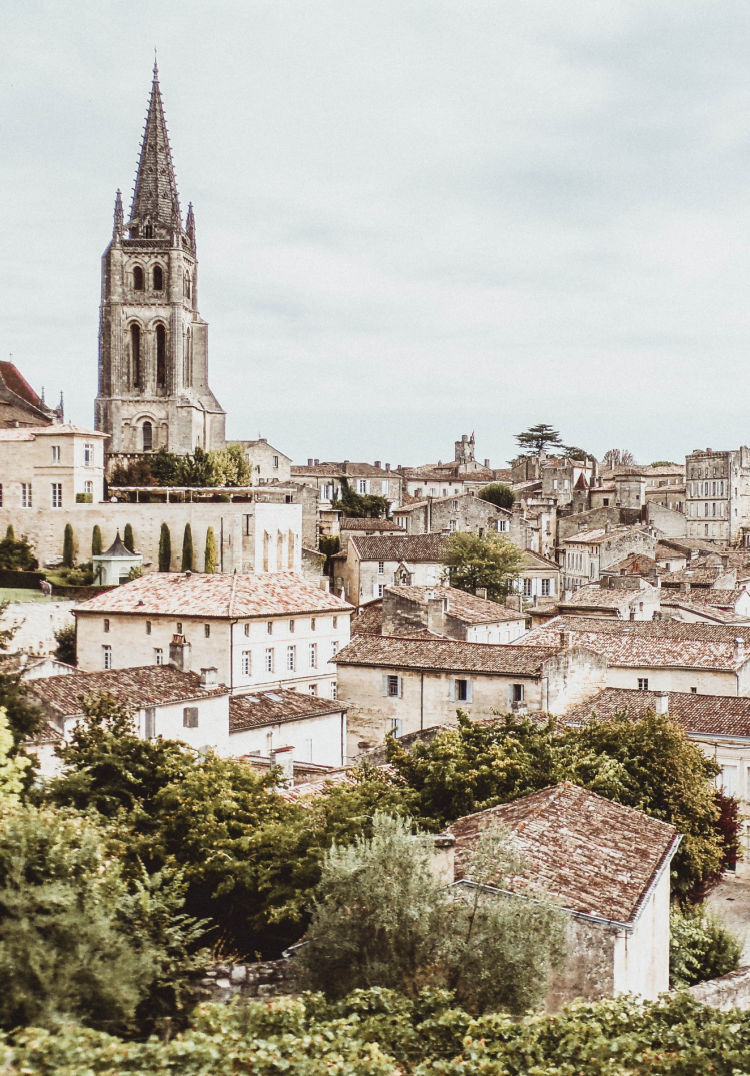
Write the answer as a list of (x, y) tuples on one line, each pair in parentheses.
[(443, 858), (739, 648), (377, 464), (387, 466), (309, 461), (316, 462), (661, 702)]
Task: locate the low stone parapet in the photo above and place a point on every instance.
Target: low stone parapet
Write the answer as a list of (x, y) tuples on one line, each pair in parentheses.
[(731, 991)]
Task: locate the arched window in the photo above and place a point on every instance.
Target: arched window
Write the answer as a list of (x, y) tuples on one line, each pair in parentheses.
[(137, 279), (148, 231), (135, 355), (161, 357), (188, 285), (148, 437), (158, 278)]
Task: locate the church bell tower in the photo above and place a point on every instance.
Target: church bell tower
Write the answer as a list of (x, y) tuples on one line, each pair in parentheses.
[(153, 343)]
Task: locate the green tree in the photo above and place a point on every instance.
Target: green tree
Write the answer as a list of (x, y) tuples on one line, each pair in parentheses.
[(701, 947), (65, 638), (210, 555), (360, 505), (230, 466), (165, 468), (490, 561), (128, 539), (498, 493), (13, 767), (188, 558), (10, 534), (69, 555), (383, 919), (165, 549), (538, 439), (96, 541), (16, 554)]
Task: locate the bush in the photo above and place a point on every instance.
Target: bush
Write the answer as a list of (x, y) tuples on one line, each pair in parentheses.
[(16, 555), (69, 554), (66, 644), (701, 947), (84, 498)]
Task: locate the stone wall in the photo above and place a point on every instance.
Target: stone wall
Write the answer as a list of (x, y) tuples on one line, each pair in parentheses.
[(226, 981), (729, 992)]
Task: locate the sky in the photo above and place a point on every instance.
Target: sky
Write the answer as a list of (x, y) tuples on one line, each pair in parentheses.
[(415, 218)]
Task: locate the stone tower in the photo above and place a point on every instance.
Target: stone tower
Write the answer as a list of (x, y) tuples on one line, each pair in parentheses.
[(153, 343)]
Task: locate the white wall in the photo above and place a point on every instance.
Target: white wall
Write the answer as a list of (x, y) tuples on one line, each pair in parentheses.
[(321, 740)]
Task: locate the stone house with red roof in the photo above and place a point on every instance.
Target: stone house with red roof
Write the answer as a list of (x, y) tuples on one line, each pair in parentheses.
[(371, 563)]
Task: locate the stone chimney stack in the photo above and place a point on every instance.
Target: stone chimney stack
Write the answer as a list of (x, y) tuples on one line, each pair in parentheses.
[(209, 676), (481, 592), (739, 649), (284, 758), (661, 702), (179, 653), (565, 639), (442, 863)]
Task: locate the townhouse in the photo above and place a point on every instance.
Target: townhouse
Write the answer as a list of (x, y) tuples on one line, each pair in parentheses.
[(371, 563)]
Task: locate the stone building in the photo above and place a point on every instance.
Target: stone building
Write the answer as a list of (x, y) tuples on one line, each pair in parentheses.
[(587, 553), (458, 512), (50, 469), (268, 464), (365, 479), (153, 344), (717, 495), (19, 403), (451, 613), (371, 563)]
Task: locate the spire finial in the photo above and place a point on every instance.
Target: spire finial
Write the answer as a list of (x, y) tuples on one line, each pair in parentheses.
[(156, 67)]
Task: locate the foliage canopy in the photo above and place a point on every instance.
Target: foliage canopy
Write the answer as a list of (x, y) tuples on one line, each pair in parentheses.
[(490, 561)]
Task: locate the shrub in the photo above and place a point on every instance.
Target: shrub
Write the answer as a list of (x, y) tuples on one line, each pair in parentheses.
[(701, 947), (16, 555), (84, 498), (66, 644), (188, 558), (69, 555), (165, 549), (210, 555)]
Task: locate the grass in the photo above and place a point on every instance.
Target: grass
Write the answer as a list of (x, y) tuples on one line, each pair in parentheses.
[(21, 594)]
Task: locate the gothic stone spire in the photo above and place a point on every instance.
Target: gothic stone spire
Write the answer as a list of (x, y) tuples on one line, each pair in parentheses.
[(155, 198)]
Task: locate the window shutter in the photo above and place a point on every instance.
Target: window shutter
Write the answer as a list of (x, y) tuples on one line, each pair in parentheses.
[(384, 690), (469, 691), (400, 686), (452, 689)]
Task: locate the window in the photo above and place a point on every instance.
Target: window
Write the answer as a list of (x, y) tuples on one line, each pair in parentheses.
[(517, 693), (291, 658), (26, 495), (312, 689), (380, 588), (312, 652), (179, 627), (462, 691), (246, 628), (158, 278), (381, 567), (246, 663), (643, 683), (693, 690), (158, 656), (335, 622), (268, 663), (502, 525), (148, 437), (269, 627), (527, 588), (106, 625), (392, 686), (546, 587), (135, 355), (149, 723), (291, 627), (334, 691), (161, 356), (727, 779), (334, 648), (55, 453), (452, 525), (137, 278), (276, 462), (207, 631), (148, 627), (312, 623), (107, 657), (190, 717), (88, 489), (397, 726), (362, 485), (1, 495), (454, 505), (56, 492), (88, 455)]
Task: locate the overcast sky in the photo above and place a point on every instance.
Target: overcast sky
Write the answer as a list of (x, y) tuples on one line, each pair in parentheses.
[(415, 218)]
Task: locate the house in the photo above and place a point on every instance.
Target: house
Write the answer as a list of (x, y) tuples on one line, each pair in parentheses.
[(457, 512), (20, 405), (369, 564), (400, 685), (306, 728), (449, 612), (268, 464), (365, 479), (259, 631), (463, 474), (710, 659), (539, 577), (50, 467), (622, 597), (163, 701), (364, 526), (717, 494), (706, 605), (588, 552), (719, 725), (608, 866)]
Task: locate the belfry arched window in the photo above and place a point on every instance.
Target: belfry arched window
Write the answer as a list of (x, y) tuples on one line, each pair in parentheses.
[(161, 356), (158, 278), (137, 278), (135, 355), (148, 437)]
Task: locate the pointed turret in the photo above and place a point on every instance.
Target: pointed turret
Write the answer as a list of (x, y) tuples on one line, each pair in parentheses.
[(155, 198), (119, 219), (190, 225)]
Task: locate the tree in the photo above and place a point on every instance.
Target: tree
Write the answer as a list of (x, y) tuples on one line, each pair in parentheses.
[(65, 638), (128, 539), (498, 493), (383, 919), (188, 558), (13, 767), (701, 947), (360, 505), (230, 466), (537, 439), (96, 541), (618, 457), (16, 554), (210, 555), (165, 549), (490, 561), (69, 555)]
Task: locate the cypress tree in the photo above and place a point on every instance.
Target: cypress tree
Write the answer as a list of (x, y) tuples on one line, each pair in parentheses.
[(10, 534), (96, 541), (187, 549), (210, 555), (128, 540), (69, 555), (165, 549)]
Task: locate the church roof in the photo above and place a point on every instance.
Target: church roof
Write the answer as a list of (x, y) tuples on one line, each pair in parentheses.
[(155, 195)]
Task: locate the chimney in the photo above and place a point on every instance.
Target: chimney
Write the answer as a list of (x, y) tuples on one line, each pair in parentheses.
[(661, 702), (387, 466), (487, 464), (481, 592), (377, 464), (325, 584), (739, 649), (209, 676), (442, 863), (344, 466), (284, 758), (684, 590), (179, 653), (565, 639), (316, 462), (309, 461)]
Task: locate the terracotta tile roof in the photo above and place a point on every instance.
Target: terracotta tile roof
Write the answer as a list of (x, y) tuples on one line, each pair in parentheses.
[(600, 534), (638, 643), (345, 469), (413, 548), (532, 560), (350, 523), (368, 619), (704, 576), (722, 599), (147, 685), (709, 613), (593, 596), (595, 856), (699, 715), (303, 773), (14, 380), (438, 655), (466, 607), (277, 707), (633, 563), (216, 596)]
